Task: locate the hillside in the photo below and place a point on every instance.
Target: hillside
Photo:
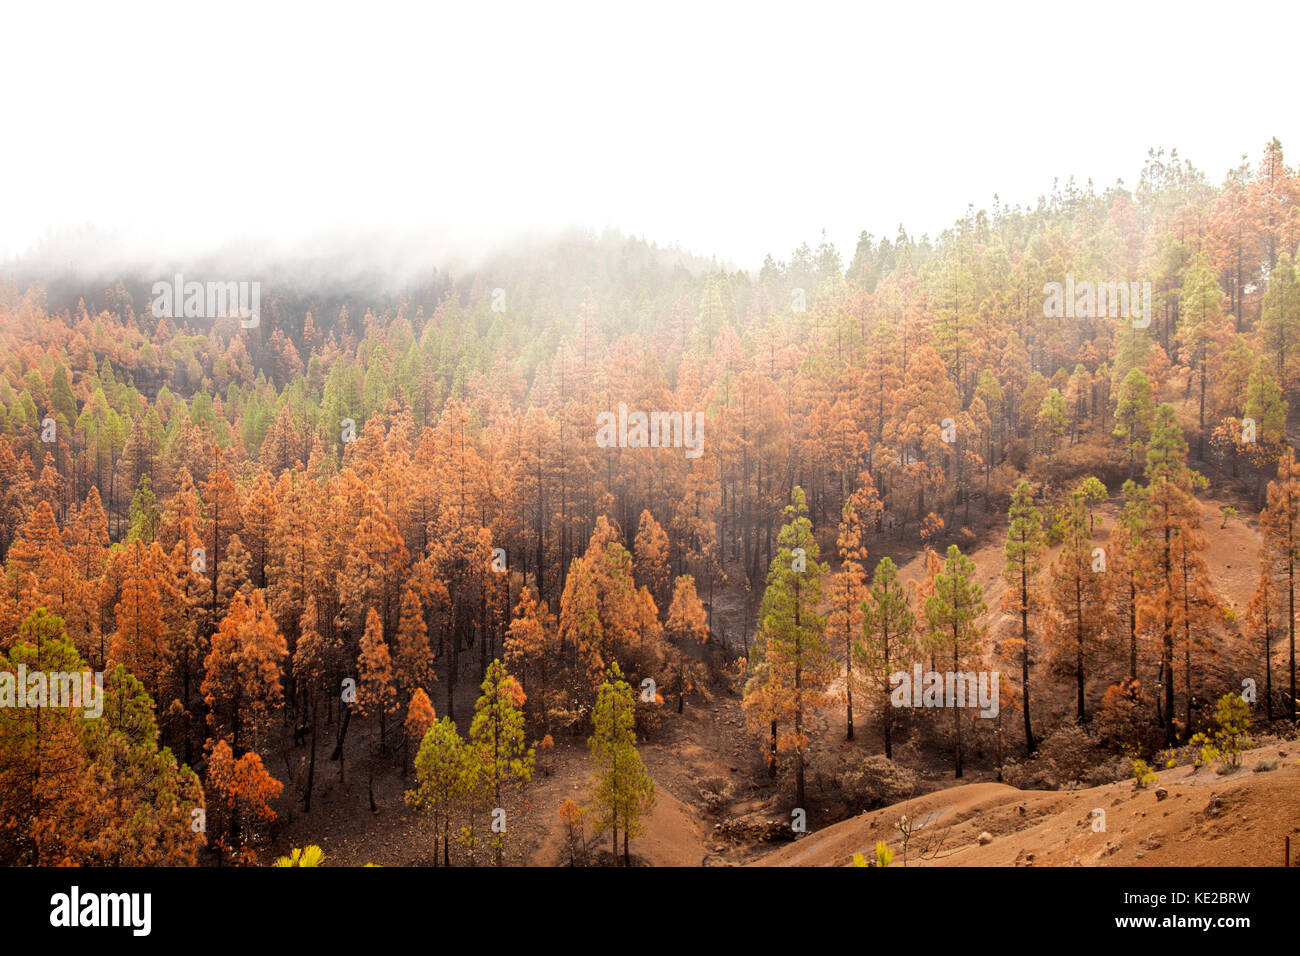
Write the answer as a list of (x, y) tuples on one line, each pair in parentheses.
[(436, 563), (1189, 817)]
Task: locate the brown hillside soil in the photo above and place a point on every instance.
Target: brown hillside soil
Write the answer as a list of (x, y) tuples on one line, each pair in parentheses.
[(1239, 819)]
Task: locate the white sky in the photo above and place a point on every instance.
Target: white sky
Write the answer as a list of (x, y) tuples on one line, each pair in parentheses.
[(733, 130)]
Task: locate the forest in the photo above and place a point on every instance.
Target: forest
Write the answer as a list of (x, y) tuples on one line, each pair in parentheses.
[(601, 553)]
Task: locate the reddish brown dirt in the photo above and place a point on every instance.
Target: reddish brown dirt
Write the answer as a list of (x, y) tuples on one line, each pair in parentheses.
[(1241, 819)]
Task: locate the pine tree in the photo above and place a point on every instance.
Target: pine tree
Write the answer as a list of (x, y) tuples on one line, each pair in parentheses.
[(1024, 560), (242, 682), (581, 629), (1171, 510), (496, 738), (440, 780), (47, 792), (296, 566), (651, 550), (1280, 528), (414, 664), (799, 660), (375, 557), (1199, 609), (223, 510), (1135, 408), (1280, 319), (140, 641), (1078, 598), (317, 661), (687, 624), (234, 574), (148, 797), (624, 791), (242, 790), (376, 698), (79, 788), (144, 512), (953, 612), (1129, 557), (1053, 422), (532, 648), (39, 534), (420, 716), (886, 646), (1266, 407), (259, 527), (848, 593), (1262, 615), (1203, 332)]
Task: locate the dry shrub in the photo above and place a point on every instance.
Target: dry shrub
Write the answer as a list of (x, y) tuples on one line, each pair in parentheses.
[(649, 715), (863, 782), (1002, 481), (1069, 755), (716, 793), (1125, 722), (1091, 455)]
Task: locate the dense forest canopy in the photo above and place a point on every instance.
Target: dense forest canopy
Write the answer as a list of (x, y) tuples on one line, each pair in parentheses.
[(391, 483)]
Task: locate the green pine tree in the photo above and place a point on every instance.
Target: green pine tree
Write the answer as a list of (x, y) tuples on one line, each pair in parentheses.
[(624, 791), (796, 650), (440, 775), (1052, 420), (1134, 410), (1203, 329), (497, 742), (886, 644), (953, 612)]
